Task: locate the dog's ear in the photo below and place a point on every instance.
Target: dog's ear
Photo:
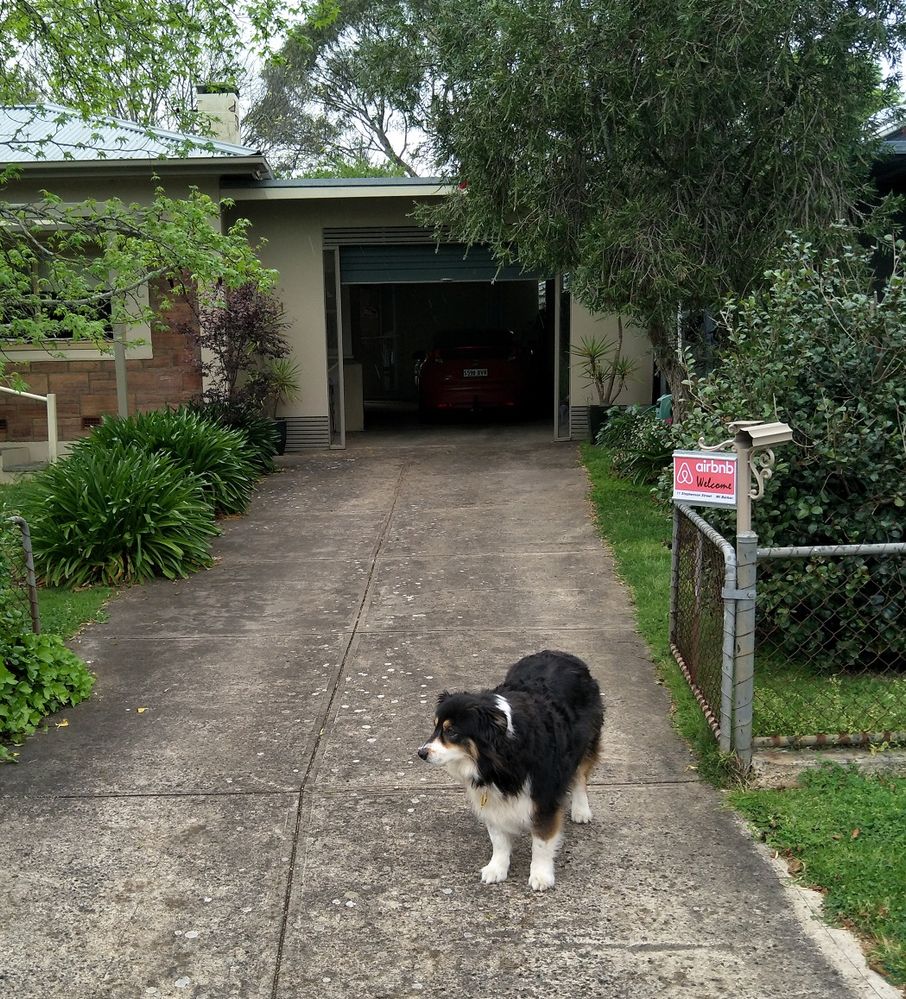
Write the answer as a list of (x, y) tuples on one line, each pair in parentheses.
[(442, 696)]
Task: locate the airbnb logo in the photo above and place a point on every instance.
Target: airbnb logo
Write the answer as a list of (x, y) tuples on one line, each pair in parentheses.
[(684, 476)]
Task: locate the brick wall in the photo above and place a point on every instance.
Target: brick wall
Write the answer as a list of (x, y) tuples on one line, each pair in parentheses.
[(86, 390)]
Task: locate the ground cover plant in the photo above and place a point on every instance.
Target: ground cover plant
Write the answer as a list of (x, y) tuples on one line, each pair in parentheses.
[(38, 674), (845, 833)]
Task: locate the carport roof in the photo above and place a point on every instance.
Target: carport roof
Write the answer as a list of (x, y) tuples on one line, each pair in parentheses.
[(336, 187)]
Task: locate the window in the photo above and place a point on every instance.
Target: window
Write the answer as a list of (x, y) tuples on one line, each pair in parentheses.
[(37, 281)]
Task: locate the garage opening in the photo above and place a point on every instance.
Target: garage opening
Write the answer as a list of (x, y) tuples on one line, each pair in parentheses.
[(442, 332)]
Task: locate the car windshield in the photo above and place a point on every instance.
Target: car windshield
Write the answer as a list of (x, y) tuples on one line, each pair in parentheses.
[(490, 343)]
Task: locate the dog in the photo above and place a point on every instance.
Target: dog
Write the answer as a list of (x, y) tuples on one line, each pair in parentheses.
[(519, 750)]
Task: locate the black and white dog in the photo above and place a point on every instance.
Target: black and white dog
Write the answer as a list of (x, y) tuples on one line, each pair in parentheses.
[(519, 749)]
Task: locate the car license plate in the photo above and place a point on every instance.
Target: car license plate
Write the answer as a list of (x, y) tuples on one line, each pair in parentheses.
[(475, 373)]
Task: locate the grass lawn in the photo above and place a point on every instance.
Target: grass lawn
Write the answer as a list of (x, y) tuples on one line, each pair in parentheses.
[(863, 873), (63, 612), (792, 699), (845, 834), (639, 534)]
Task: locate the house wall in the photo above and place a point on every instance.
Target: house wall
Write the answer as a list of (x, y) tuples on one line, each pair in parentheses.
[(636, 347), (161, 369), (86, 390), (162, 366)]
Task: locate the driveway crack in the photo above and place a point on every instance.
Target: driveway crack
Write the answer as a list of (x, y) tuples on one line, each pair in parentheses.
[(323, 720)]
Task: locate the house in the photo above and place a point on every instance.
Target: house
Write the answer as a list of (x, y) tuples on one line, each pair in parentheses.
[(364, 288)]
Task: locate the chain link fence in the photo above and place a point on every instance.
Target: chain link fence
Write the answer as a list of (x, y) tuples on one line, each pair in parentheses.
[(702, 616), (829, 639), (830, 646), (18, 590)]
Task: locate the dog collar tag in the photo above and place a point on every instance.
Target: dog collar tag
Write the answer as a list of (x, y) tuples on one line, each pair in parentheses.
[(484, 799)]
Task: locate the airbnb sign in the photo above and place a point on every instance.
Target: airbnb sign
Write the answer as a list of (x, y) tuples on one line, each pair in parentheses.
[(704, 478)]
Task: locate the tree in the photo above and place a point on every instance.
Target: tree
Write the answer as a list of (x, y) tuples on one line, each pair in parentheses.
[(352, 84), (137, 59), (240, 338), (74, 270), (657, 151)]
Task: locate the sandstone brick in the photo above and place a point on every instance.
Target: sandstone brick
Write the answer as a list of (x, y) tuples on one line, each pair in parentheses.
[(97, 405), (68, 382), (50, 367)]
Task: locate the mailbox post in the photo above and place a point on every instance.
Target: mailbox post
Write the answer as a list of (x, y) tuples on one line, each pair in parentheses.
[(752, 444)]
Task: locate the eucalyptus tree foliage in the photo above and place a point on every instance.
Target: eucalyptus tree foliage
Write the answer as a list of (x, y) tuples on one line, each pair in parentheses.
[(137, 59), (351, 84), (658, 151)]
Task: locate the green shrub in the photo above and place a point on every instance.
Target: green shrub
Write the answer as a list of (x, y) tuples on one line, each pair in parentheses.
[(640, 443), (617, 428), (260, 433), (220, 458), (117, 515), (821, 349), (38, 675)]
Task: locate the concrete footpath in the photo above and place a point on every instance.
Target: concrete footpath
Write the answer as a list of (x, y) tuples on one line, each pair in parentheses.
[(239, 811)]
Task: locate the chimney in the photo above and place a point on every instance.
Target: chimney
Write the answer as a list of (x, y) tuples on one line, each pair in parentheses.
[(221, 105)]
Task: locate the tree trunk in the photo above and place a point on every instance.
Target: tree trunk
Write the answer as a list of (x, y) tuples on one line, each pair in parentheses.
[(673, 369)]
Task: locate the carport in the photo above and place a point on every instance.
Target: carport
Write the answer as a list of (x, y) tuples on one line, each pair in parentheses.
[(365, 290), (390, 293)]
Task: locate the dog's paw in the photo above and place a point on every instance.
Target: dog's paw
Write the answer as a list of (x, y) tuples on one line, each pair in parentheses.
[(580, 812), (540, 879), (492, 874)]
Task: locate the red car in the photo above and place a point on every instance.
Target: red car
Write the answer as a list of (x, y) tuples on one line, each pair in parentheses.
[(468, 370)]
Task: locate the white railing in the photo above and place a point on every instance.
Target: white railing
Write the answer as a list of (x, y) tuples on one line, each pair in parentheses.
[(51, 402)]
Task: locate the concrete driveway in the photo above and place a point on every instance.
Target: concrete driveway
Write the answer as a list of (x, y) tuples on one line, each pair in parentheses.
[(263, 829)]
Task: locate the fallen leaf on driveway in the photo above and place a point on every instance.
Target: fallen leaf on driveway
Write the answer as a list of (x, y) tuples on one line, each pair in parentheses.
[(62, 724), (141, 711)]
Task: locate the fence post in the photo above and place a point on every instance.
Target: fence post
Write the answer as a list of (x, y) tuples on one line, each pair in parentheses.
[(744, 659), (728, 654), (30, 578)]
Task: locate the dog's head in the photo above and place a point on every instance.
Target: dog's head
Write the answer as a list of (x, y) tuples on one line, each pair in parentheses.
[(468, 730)]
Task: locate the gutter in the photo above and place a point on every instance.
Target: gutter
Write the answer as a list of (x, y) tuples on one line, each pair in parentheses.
[(266, 192), (255, 167)]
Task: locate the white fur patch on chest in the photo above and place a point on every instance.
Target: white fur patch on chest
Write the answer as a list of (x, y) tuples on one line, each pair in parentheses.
[(511, 814)]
